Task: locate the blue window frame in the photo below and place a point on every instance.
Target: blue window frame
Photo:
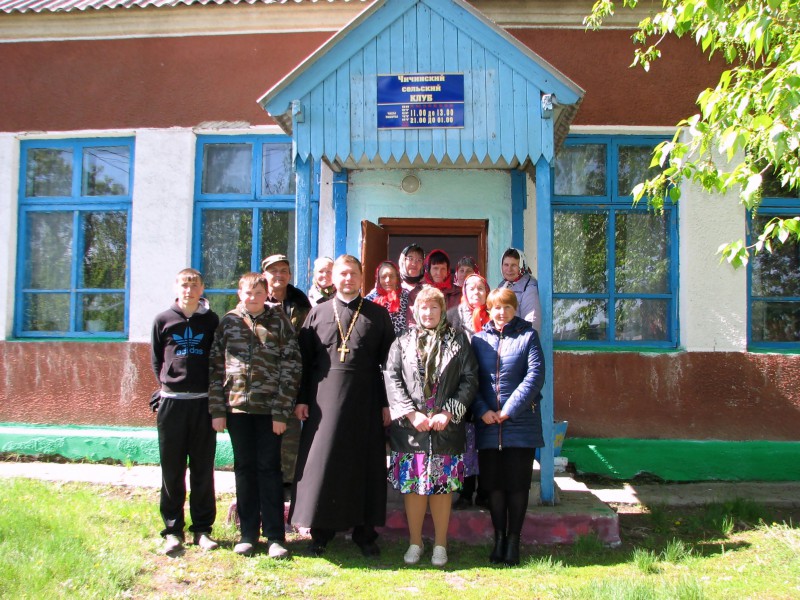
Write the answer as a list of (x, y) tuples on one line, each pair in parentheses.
[(74, 234), (615, 266), (244, 209), (773, 291)]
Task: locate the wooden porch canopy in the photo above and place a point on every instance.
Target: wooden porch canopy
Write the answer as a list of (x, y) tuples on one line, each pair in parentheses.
[(517, 107)]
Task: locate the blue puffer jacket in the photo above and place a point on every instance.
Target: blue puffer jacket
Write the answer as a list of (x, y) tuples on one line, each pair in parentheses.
[(510, 379)]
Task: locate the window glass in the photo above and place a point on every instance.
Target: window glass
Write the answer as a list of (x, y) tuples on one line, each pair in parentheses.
[(277, 232), (277, 176), (48, 172), (581, 170), (73, 259), (614, 264), (226, 243), (106, 171), (775, 321), (227, 168), (641, 252), (580, 320), (579, 252), (634, 167), (48, 250)]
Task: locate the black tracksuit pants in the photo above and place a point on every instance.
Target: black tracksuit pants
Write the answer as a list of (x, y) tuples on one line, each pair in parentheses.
[(185, 436)]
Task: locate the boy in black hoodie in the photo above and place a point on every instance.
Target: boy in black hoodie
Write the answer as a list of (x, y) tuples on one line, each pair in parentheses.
[(181, 340)]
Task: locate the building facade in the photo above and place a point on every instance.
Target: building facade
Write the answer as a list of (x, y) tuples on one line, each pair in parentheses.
[(140, 138)]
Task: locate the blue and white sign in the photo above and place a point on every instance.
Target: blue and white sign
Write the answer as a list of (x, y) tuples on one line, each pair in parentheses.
[(420, 100)]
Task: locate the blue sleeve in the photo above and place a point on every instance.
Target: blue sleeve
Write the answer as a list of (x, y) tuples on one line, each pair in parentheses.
[(527, 392)]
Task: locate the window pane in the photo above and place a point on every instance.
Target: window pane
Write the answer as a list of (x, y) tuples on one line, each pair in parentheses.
[(45, 312), (634, 167), (227, 242), (103, 312), (775, 274), (277, 176), (48, 251), (48, 172), (104, 249), (641, 320), (227, 168), (277, 232), (222, 303), (581, 170), (583, 320), (579, 252), (775, 321), (106, 171), (641, 253)]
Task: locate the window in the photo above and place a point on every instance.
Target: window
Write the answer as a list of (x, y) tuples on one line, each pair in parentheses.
[(244, 209), (72, 269), (774, 278), (614, 265)]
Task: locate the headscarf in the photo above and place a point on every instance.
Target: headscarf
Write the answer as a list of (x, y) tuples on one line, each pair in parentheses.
[(480, 314), (402, 270), (389, 299), (445, 285), (524, 269), (429, 352)]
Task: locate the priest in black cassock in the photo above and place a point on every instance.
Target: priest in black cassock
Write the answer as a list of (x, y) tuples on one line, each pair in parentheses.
[(340, 480)]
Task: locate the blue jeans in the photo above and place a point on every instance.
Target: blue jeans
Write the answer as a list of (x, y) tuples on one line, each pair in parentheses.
[(259, 483)]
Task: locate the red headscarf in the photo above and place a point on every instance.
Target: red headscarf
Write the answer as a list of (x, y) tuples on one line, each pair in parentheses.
[(387, 298), (448, 280), (480, 314)]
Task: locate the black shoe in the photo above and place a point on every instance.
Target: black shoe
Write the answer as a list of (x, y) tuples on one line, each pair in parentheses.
[(499, 550), (315, 548), (462, 503), (369, 549), (511, 557)]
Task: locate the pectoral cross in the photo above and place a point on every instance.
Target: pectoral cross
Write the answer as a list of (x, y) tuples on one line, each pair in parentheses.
[(342, 351)]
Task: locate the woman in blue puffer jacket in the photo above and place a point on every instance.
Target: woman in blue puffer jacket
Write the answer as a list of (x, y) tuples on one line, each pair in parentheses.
[(508, 419)]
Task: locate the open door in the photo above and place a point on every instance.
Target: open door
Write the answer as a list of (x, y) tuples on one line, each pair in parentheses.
[(374, 242)]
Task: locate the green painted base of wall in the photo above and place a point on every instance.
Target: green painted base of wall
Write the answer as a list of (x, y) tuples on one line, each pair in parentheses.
[(685, 460), (126, 444)]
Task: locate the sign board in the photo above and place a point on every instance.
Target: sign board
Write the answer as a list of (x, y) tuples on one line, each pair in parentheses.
[(420, 100)]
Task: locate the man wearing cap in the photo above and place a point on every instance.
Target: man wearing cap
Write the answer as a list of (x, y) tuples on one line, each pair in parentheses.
[(296, 305)]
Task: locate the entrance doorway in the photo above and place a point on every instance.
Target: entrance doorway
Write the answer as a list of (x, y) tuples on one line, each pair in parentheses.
[(386, 239)]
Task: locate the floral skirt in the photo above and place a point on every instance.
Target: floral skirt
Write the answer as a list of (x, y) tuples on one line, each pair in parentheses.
[(426, 474), (471, 453)]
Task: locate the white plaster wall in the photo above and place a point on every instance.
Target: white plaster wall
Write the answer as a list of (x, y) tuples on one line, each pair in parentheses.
[(161, 228), (327, 220), (529, 218), (443, 194), (9, 185), (713, 295)]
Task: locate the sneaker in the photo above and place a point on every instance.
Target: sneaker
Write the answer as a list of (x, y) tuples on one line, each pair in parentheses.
[(277, 550), (205, 542), (439, 558), (413, 554), (172, 544), (244, 548)]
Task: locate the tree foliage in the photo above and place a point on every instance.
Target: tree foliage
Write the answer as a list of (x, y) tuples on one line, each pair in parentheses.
[(747, 132)]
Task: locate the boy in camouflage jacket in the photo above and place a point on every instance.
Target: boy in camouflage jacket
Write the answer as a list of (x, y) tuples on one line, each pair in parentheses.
[(255, 369)]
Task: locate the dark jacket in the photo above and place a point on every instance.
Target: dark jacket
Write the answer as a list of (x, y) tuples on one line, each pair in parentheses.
[(510, 379), (180, 348), (457, 384), (296, 306)]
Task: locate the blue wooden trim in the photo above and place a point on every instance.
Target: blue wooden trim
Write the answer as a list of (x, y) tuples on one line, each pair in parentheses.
[(316, 167), (519, 191), (340, 212), (302, 223), (544, 253)]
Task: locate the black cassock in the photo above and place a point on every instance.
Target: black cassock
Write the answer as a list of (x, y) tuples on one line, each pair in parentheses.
[(340, 480)]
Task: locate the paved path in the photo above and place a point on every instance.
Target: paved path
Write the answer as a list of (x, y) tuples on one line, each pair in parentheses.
[(783, 494)]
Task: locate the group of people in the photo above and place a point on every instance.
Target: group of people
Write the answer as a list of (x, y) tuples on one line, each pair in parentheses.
[(431, 355)]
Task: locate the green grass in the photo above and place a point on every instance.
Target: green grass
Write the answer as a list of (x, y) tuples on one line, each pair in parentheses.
[(82, 541)]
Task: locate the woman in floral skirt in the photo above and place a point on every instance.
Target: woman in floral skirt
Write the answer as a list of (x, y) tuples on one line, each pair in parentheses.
[(431, 377)]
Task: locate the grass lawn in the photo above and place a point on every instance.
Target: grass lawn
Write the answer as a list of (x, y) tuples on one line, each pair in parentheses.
[(83, 541)]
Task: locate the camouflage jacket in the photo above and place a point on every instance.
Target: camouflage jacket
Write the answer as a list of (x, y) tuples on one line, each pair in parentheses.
[(254, 365)]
